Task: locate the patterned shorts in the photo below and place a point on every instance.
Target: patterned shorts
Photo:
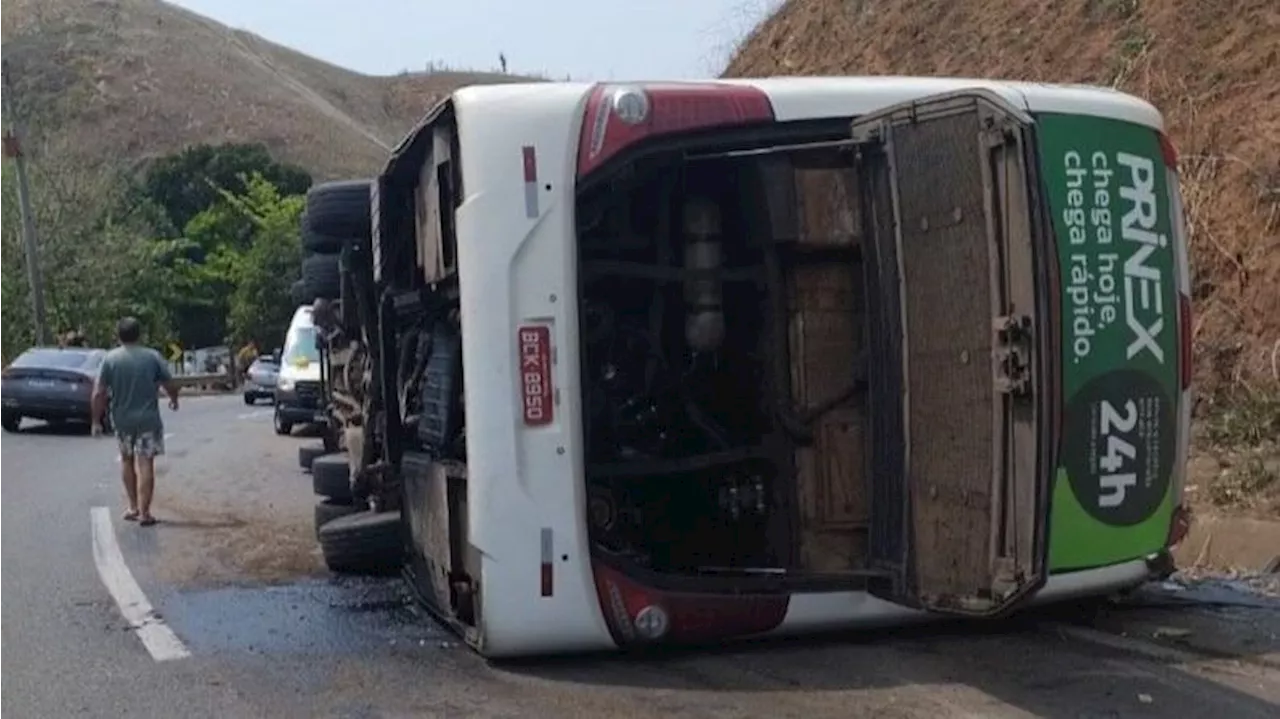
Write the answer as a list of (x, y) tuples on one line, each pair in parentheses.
[(141, 444)]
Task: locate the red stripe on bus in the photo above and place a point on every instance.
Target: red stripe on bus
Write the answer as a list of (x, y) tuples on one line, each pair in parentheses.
[(546, 579), (530, 164)]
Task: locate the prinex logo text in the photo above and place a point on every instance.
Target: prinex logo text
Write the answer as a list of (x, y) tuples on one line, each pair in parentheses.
[(1144, 298)]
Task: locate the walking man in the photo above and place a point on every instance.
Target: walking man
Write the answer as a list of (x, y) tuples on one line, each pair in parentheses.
[(130, 377)]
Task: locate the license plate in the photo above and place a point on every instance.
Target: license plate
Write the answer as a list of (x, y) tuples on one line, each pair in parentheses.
[(41, 383), (534, 344), (321, 417)]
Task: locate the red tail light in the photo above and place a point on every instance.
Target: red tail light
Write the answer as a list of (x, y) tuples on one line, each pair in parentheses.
[(637, 614), (1184, 340), (620, 115)]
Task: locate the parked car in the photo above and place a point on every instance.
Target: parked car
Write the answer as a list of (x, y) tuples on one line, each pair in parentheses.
[(51, 384), (260, 378)]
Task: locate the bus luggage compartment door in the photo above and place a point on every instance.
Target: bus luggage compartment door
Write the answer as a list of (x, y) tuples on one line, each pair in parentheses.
[(959, 488)]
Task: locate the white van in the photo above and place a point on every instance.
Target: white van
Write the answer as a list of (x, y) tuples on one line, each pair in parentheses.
[(299, 393), (687, 362)]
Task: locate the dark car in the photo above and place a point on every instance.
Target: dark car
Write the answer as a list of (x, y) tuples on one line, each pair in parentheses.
[(260, 378), (50, 383)]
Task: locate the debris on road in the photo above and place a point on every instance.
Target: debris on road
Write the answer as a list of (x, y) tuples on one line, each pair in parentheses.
[(1170, 633), (1258, 591), (1222, 615)]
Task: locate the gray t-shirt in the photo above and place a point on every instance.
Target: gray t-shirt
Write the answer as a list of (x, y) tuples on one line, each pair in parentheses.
[(132, 375)]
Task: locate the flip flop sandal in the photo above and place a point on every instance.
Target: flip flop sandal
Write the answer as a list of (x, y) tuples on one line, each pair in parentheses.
[(147, 521), (130, 516)]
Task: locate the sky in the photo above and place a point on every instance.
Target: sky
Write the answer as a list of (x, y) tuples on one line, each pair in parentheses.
[(582, 39)]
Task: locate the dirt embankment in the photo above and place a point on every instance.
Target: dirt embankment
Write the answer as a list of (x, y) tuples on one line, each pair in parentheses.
[(1211, 68)]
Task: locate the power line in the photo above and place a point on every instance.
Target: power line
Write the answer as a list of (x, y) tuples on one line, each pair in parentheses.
[(13, 149)]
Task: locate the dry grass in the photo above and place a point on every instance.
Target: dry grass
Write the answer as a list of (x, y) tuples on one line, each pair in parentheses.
[(1210, 67), (131, 79)]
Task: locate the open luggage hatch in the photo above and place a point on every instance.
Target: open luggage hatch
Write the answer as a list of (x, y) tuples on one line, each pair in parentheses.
[(959, 390)]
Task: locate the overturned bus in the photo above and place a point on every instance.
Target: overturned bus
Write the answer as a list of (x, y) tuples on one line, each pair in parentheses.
[(688, 362)]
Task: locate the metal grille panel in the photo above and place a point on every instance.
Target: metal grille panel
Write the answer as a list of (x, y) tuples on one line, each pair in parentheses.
[(947, 315)]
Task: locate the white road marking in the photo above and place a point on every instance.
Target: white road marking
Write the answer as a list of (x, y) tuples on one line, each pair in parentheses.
[(155, 635), (254, 414)]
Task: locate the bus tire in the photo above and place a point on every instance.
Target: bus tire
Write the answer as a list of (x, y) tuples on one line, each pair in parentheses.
[(363, 543), (320, 273), (330, 439), (282, 426), (339, 209), (298, 293), (328, 510), (322, 244), (331, 477), (348, 306), (307, 454)]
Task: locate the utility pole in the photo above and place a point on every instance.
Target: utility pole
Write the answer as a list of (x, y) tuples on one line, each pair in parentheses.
[(13, 149)]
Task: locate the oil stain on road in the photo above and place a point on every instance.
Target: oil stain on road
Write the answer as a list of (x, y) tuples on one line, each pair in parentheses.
[(317, 617)]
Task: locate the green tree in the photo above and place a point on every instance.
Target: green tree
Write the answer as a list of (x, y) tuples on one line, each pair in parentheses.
[(15, 299), (98, 264), (187, 183), (205, 263), (218, 234), (107, 250), (259, 305)]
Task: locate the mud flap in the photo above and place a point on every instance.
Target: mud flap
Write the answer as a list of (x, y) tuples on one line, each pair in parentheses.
[(959, 491)]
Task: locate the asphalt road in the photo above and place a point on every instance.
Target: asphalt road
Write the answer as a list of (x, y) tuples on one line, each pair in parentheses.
[(233, 571)]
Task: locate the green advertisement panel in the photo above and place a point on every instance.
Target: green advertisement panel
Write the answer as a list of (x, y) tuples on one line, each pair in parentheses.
[(1108, 196)]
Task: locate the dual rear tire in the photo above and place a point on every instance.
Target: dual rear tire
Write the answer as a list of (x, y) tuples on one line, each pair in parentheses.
[(337, 216), (359, 541), (353, 540)]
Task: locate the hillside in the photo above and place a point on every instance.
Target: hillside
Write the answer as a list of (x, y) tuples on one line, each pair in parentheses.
[(130, 79), (1210, 67)]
